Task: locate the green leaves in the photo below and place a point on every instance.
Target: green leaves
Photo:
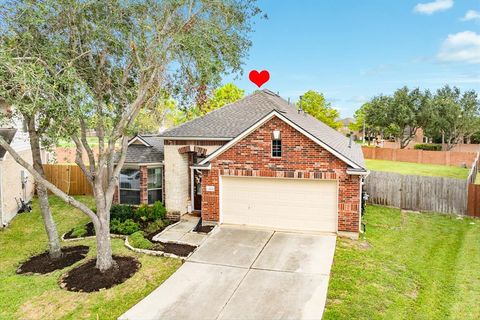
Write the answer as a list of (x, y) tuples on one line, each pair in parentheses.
[(456, 115), (314, 103), (449, 113)]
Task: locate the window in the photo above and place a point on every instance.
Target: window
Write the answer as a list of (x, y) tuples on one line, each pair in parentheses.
[(155, 182), (276, 144), (130, 186), (276, 148)]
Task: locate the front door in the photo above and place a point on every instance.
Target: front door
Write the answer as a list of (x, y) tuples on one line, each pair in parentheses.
[(197, 191)]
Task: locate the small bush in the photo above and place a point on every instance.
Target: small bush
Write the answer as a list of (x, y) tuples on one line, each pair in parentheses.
[(126, 227), (146, 213), (142, 213), (121, 212), (79, 231), (428, 146), (159, 210), (137, 240), (155, 226)]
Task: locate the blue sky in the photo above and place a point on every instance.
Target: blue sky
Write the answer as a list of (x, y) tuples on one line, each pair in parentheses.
[(351, 50)]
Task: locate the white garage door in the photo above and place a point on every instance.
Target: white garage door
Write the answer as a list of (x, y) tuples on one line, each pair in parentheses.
[(293, 204)]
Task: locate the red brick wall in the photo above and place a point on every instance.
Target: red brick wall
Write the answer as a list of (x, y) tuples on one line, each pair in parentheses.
[(301, 159), (447, 158), (143, 185)]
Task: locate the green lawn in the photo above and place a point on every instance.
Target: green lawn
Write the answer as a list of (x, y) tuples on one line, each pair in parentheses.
[(40, 297), (418, 169), (477, 180), (407, 266)]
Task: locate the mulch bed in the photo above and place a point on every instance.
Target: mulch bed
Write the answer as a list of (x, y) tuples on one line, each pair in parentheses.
[(178, 249), (87, 278), (150, 236), (90, 232), (43, 264), (204, 229)]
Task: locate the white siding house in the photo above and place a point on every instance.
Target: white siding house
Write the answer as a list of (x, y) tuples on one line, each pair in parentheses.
[(15, 182)]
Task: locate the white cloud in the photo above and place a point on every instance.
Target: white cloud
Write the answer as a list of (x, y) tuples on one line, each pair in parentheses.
[(471, 15), (434, 6), (462, 46)]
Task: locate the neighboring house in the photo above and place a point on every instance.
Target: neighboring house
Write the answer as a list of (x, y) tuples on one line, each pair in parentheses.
[(259, 161), (345, 125), (345, 128), (15, 181)]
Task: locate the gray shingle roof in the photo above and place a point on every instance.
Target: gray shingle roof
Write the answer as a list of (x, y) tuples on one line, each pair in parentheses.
[(139, 153), (232, 119)]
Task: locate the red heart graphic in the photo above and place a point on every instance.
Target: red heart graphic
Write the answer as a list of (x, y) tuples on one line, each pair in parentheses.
[(259, 78)]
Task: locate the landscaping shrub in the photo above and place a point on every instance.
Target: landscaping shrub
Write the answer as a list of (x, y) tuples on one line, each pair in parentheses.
[(428, 146), (121, 212), (159, 210), (137, 240), (126, 227), (155, 226), (145, 213), (79, 231)]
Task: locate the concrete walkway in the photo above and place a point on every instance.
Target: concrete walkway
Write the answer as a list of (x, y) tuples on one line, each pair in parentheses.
[(241, 273), (182, 232)]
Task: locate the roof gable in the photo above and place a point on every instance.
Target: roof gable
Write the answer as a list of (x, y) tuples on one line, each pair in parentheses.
[(232, 120), (280, 116), (138, 140)]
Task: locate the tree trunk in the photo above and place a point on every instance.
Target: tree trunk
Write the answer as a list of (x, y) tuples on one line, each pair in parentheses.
[(48, 222), (104, 248), (54, 247)]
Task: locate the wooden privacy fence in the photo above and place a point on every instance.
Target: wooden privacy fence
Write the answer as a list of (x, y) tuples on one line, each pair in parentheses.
[(68, 178), (448, 158), (474, 200), (473, 208), (420, 193)]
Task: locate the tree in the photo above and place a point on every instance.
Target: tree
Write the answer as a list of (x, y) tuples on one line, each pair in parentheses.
[(220, 97), (31, 88), (314, 104), (158, 116), (400, 115), (408, 111), (125, 53), (456, 115), (360, 116)]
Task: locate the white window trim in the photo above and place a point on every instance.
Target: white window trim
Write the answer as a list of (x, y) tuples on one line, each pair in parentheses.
[(281, 149), (161, 179)]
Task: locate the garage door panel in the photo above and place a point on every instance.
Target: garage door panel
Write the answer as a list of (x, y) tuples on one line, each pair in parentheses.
[(280, 203)]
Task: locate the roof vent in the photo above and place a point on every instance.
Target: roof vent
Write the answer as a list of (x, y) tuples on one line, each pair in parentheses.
[(350, 140), (300, 105)]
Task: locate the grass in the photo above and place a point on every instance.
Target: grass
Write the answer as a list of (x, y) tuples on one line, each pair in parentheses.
[(407, 266), (477, 179), (419, 169), (40, 297)]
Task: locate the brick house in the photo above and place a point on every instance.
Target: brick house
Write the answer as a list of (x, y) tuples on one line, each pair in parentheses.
[(259, 162)]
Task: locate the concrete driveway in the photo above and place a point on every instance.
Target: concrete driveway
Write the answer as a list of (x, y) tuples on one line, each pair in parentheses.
[(243, 273)]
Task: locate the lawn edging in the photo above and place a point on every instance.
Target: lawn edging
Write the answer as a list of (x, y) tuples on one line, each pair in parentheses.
[(155, 252), (112, 235)]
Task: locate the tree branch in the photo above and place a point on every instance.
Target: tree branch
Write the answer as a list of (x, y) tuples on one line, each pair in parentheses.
[(79, 158), (39, 179)]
